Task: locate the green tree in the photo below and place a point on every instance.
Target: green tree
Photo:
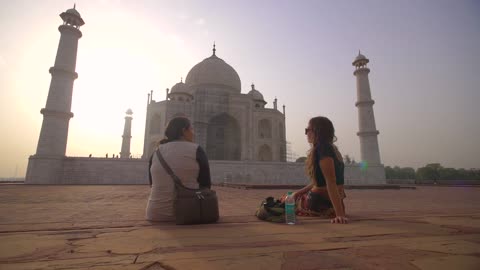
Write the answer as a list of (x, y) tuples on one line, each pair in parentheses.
[(407, 173), (448, 174), (430, 172), (475, 173), (425, 173), (435, 169), (399, 173), (463, 174), (389, 172)]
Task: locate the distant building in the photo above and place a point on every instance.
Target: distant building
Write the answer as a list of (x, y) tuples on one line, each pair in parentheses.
[(229, 125)]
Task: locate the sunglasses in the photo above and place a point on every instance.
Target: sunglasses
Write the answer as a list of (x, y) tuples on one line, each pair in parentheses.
[(307, 130)]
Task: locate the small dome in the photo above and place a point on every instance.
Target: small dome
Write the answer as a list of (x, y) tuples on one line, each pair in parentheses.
[(360, 59), (256, 95), (129, 112), (180, 88), (214, 70), (74, 12), (72, 17)]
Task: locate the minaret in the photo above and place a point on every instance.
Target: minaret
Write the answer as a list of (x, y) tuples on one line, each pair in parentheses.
[(146, 126), (52, 142), (127, 135), (366, 120), (56, 114)]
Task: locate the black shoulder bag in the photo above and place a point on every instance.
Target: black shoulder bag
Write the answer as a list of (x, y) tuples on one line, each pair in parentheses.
[(191, 206)]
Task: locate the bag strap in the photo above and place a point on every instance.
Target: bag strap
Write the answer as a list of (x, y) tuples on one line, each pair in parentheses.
[(167, 168), (149, 167)]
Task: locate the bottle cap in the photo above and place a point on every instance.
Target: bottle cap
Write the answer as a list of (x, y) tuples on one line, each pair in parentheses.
[(290, 193)]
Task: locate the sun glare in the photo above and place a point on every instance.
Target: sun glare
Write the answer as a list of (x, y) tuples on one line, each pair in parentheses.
[(112, 80)]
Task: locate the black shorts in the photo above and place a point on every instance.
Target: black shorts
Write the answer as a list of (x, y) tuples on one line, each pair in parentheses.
[(318, 201)]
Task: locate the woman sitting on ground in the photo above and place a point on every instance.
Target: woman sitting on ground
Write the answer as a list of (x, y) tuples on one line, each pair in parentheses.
[(187, 160), (324, 166)]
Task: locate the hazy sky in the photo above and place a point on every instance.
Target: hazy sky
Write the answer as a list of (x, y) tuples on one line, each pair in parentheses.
[(424, 58)]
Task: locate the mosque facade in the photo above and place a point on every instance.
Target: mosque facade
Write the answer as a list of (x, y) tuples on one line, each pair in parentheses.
[(228, 124)]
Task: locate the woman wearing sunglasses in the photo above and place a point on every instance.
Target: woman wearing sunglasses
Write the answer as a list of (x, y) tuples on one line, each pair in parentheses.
[(325, 168)]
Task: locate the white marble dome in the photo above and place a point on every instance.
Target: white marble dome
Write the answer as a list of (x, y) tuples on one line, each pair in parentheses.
[(256, 95), (214, 71), (180, 88)]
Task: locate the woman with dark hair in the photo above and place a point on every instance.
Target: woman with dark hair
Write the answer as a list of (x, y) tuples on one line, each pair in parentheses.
[(187, 160), (324, 166)]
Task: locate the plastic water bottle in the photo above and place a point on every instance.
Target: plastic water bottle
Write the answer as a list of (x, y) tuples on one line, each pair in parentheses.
[(290, 209)]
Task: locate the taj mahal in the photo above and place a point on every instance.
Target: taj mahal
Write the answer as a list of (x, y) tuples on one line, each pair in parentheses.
[(245, 140), (228, 124)]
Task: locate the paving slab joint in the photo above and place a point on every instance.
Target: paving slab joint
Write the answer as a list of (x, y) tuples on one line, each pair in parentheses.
[(157, 266)]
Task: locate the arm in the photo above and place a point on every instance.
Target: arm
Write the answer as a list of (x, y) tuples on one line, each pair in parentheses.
[(328, 170), (303, 190), (203, 178)]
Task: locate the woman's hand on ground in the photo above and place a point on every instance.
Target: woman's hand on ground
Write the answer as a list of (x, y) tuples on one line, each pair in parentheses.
[(339, 220)]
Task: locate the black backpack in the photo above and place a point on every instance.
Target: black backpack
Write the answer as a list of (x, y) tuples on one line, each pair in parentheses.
[(271, 210)]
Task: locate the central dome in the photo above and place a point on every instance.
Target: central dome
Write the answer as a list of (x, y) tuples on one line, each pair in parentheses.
[(214, 71)]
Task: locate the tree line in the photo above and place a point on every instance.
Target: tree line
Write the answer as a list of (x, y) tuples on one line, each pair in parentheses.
[(432, 171)]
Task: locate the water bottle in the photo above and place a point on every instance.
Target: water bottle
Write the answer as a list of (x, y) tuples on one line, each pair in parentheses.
[(290, 209)]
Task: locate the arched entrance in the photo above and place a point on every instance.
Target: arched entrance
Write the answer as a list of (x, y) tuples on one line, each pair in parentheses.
[(223, 138), (155, 123), (265, 129), (265, 153)]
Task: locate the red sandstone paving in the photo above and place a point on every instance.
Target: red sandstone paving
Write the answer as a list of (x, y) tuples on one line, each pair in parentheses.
[(103, 227), (127, 203)]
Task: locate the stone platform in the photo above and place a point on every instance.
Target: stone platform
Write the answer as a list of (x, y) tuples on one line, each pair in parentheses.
[(102, 227)]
